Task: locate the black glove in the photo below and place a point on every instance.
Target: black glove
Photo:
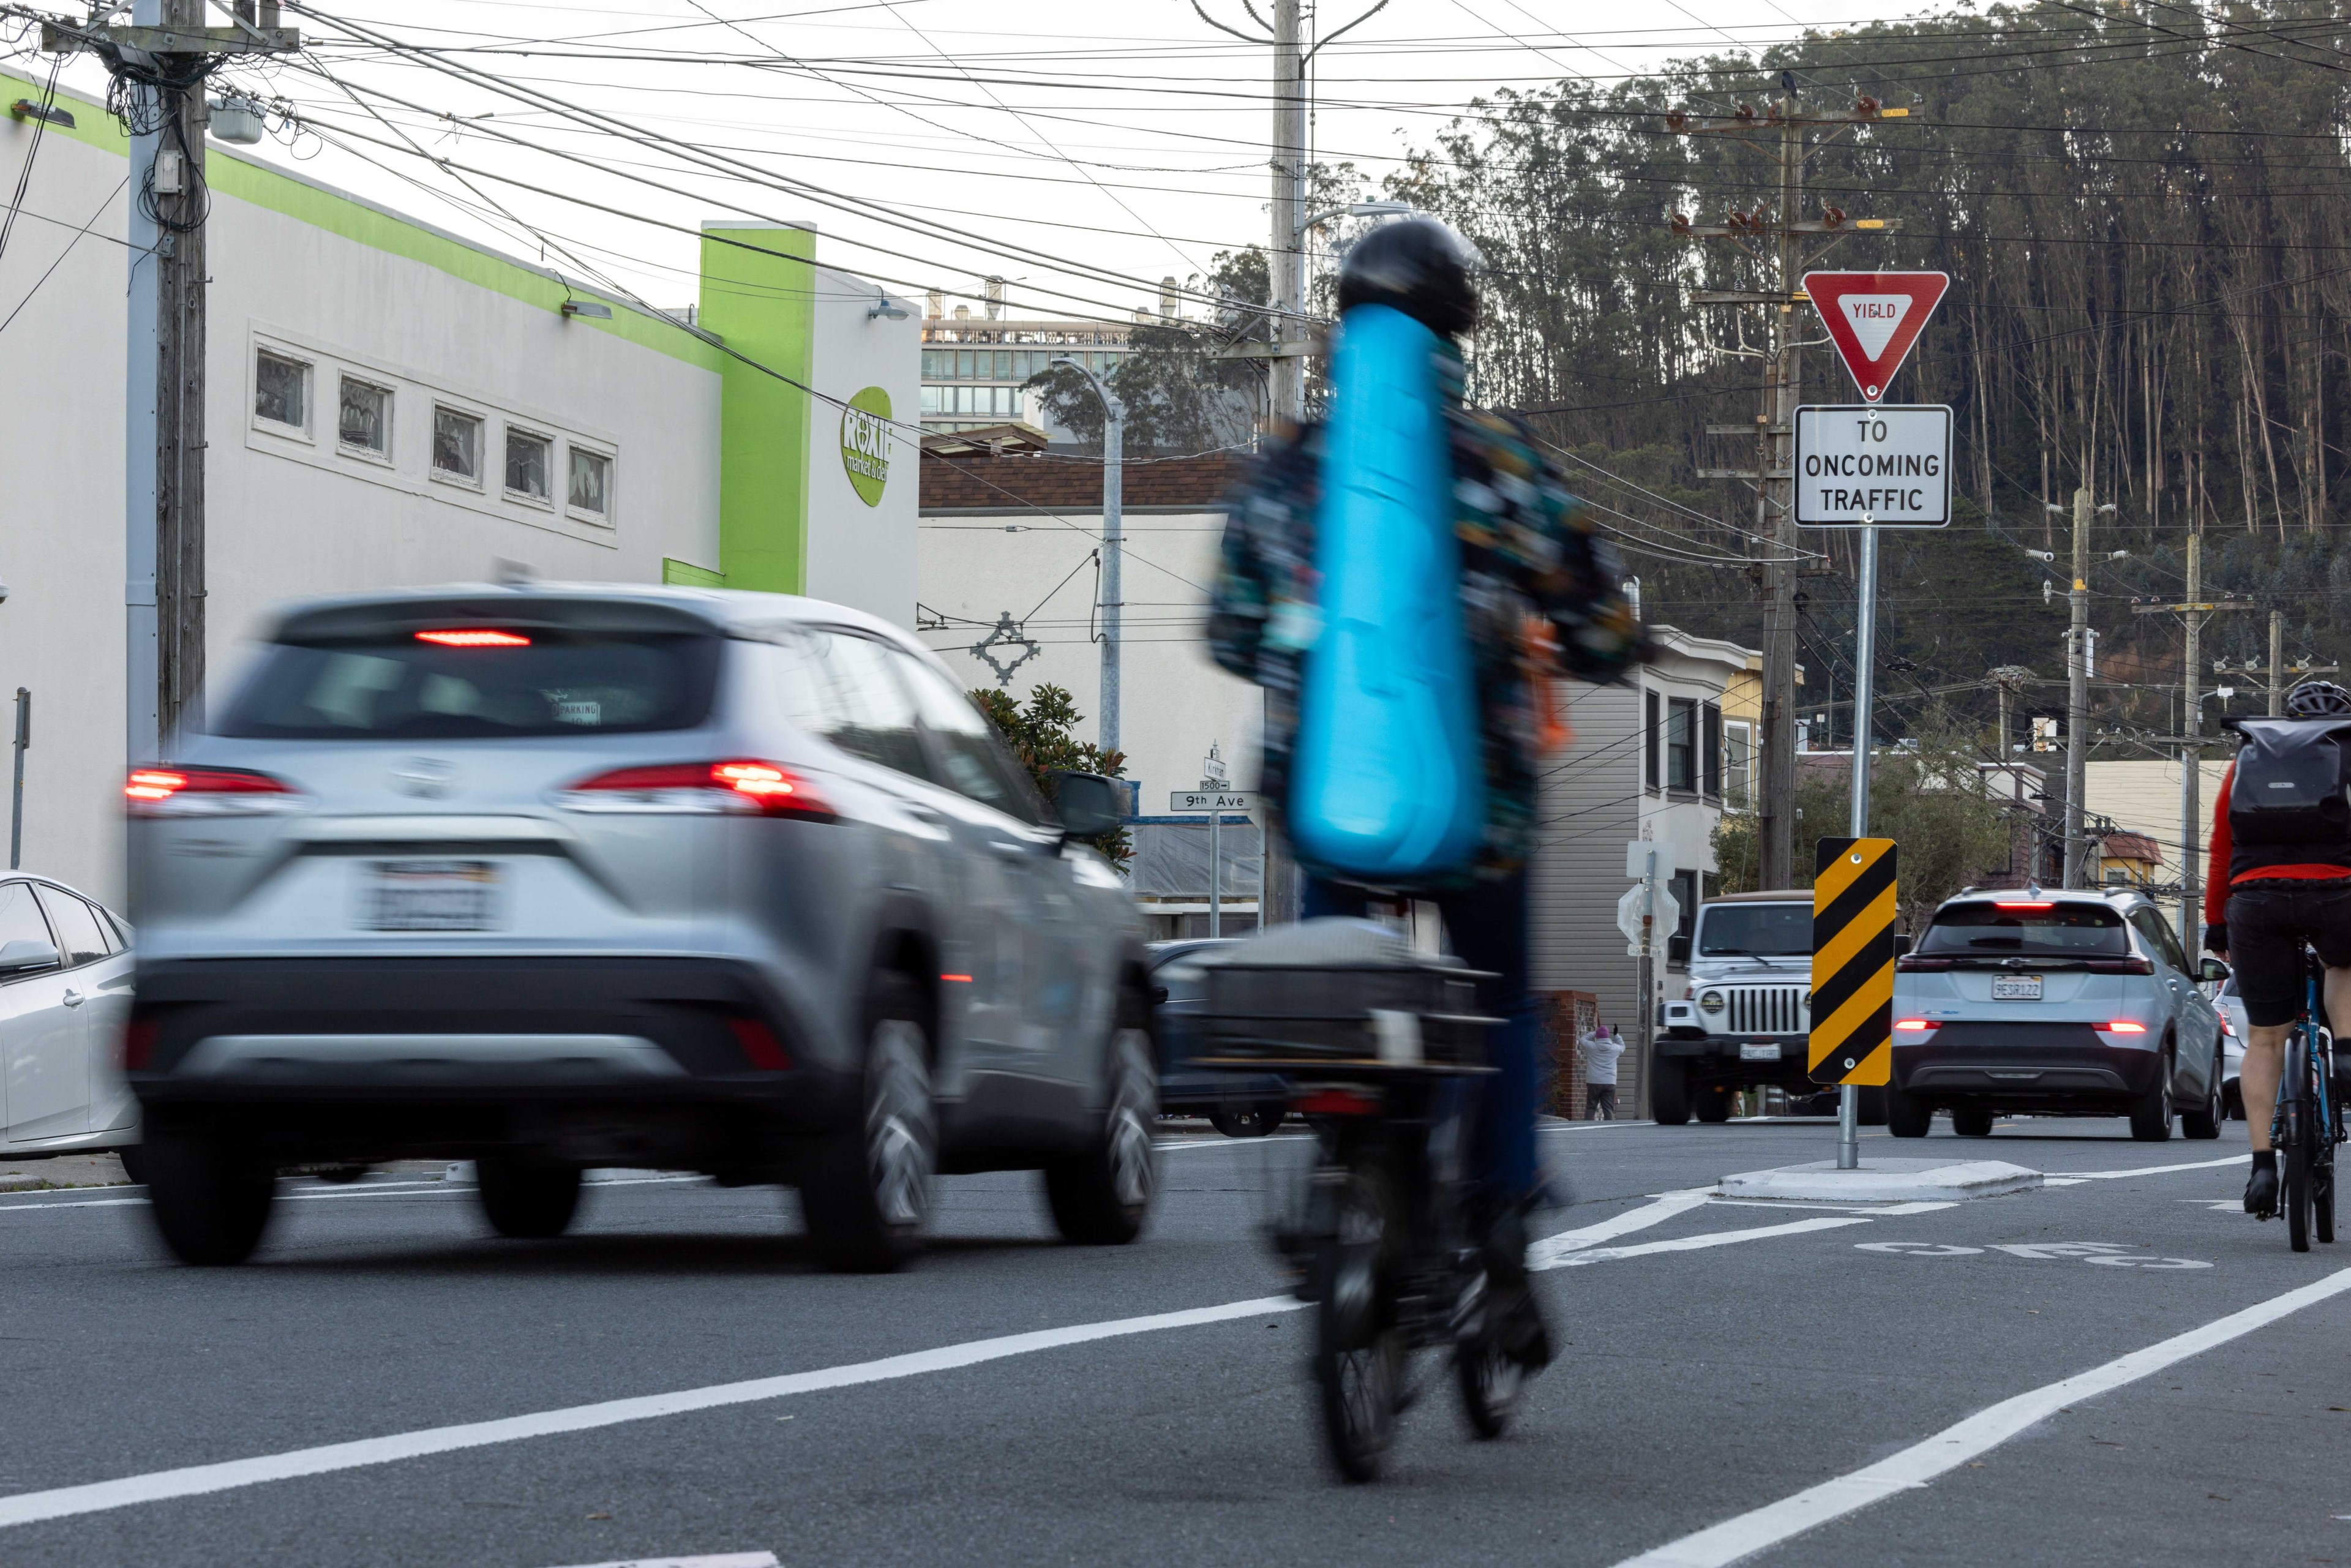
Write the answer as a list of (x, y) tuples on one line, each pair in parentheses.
[(2216, 938)]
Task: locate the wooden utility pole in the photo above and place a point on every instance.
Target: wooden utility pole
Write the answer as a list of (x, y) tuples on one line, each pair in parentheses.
[(2193, 612), (2077, 691), (162, 60), (2277, 671), (1775, 531)]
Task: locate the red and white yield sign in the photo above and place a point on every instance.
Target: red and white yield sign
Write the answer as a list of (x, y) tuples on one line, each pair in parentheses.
[(1874, 318)]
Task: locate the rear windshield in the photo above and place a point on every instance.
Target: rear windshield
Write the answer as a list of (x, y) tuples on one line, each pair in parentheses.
[(2035, 929), (1756, 931), (405, 688)]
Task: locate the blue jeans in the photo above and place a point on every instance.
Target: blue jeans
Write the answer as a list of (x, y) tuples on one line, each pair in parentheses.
[(1487, 925)]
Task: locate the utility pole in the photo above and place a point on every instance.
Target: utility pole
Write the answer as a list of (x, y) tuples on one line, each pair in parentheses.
[(162, 60), (1113, 538), (2077, 691), (2277, 670), (1774, 431), (1287, 382)]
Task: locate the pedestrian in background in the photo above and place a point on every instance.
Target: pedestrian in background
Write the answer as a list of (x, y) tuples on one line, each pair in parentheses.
[(1600, 1050)]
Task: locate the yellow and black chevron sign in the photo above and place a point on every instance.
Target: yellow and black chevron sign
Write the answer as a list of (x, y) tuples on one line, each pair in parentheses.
[(1853, 962)]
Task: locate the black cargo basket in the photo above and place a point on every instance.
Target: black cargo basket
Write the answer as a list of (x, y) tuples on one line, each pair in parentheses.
[(1338, 991)]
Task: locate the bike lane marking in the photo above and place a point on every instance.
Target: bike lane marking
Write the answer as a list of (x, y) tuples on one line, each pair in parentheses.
[(2071, 1178), (1955, 1445), (1694, 1243)]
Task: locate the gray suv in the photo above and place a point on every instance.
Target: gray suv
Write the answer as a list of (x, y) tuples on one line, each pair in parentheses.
[(552, 877)]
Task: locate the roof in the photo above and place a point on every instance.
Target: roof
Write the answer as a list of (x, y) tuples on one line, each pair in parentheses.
[(1784, 895), (1039, 482), (994, 440), (724, 610), (2132, 847)]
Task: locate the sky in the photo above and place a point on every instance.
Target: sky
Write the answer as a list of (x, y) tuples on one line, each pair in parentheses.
[(1080, 150)]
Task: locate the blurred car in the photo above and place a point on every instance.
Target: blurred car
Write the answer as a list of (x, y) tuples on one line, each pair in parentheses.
[(65, 998), (2057, 1003), (1240, 1105), (2230, 1005), (557, 876)]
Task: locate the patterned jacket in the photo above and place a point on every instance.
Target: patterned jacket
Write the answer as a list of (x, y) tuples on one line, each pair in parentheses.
[(1540, 594)]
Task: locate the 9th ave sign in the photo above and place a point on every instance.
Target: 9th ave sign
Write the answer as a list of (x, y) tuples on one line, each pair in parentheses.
[(1859, 464)]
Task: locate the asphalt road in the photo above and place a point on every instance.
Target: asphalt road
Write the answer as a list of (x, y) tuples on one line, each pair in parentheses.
[(1724, 1382)]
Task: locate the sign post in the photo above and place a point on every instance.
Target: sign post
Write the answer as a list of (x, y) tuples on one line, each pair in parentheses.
[(1216, 801), (1868, 466), (1852, 1039)]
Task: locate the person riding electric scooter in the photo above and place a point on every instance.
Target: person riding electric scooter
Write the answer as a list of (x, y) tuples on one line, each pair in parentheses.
[(1405, 578)]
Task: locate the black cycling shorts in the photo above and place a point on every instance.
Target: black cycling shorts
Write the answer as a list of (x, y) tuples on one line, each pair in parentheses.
[(2267, 925)]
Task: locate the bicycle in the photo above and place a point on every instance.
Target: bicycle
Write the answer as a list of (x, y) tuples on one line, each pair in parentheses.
[(2308, 1121), (1377, 1235)]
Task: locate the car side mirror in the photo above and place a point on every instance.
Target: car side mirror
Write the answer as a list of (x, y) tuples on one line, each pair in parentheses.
[(1676, 949), (1158, 996), (18, 956), (2210, 969), (1902, 941), (1088, 804)]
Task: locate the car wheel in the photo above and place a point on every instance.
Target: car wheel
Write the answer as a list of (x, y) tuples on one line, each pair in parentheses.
[(524, 1199), (1971, 1121), (866, 1189), (2151, 1113), (1711, 1102), (1869, 1105), (1102, 1196), (2233, 1097), (211, 1202), (1907, 1116), (2204, 1121), (1669, 1100), (1247, 1121)]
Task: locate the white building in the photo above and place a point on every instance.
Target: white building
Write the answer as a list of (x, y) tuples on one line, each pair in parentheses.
[(1647, 762), (391, 404)]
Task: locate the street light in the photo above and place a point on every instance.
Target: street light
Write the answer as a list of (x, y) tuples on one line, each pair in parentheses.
[(1114, 491)]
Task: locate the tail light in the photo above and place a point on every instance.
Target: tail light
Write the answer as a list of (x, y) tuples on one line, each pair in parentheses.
[(139, 1044), (2122, 1026), (1338, 1103), (474, 637), (2227, 1028), (1915, 1026), (1910, 963), (2132, 965), (760, 1047), (743, 786), (206, 792)]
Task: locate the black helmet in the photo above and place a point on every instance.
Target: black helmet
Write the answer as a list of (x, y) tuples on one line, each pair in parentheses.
[(2318, 699), (1418, 266)]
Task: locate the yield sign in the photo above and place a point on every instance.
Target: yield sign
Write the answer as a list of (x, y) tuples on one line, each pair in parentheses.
[(1874, 318)]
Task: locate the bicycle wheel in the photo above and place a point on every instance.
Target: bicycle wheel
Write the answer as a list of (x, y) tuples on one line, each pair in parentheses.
[(1358, 1347), (1490, 1381), (2294, 1147)]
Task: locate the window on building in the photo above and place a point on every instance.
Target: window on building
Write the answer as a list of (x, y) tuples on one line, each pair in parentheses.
[(282, 391), (456, 445), (931, 399), (963, 363), (364, 424), (527, 465), (1685, 890), (1681, 744), (1710, 727), (1003, 364), (1653, 724), (931, 358), (1736, 741), (591, 483)]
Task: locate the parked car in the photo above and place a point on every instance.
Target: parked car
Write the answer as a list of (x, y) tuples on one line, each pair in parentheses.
[(557, 876), (1745, 1022), (2057, 1003), (1240, 1105), (65, 998), (2230, 1005)]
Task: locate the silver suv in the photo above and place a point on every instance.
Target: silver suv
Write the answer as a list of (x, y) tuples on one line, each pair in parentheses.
[(2068, 1003), (552, 877)]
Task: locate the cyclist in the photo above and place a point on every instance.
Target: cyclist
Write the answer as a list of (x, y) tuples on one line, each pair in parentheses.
[(2261, 902), (1540, 595)]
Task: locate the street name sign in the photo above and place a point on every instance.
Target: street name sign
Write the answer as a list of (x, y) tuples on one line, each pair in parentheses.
[(1212, 801), (1875, 319), (1863, 463), (1853, 962)]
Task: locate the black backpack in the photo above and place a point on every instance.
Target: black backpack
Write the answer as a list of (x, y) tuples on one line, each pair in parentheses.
[(2293, 783)]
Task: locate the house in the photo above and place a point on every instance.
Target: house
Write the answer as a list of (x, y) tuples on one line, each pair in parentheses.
[(388, 403)]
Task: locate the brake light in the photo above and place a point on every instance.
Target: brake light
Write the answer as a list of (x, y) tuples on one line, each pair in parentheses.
[(1917, 1026), (2227, 1028), (139, 1044), (2132, 965), (760, 1046), (2046, 904), (474, 637), (2124, 1026), (1912, 962), (1338, 1103), (205, 791), (743, 786)]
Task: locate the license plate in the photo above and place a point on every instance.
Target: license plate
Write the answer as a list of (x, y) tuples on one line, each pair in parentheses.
[(430, 895), (2016, 987), (1759, 1053)]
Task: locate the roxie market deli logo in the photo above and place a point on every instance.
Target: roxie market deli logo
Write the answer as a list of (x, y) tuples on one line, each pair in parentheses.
[(865, 443)]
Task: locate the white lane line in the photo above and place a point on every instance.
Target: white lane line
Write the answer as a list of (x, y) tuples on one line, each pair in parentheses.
[(194, 1481), (1693, 1243), (2069, 1177), (723, 1560), (1924, 1206), (79, 1203), (1954, 1446), (1664, 1206)]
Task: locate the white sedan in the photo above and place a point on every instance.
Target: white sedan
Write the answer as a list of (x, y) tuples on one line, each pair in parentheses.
[(65, 999), (2231, 1008)]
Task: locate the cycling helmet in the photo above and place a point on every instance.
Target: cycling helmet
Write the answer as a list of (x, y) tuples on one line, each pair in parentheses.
[(1418, 266), (2318, 699)]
